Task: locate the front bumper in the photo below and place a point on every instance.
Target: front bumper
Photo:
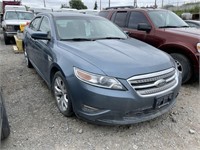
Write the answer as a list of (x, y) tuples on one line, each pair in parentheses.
[(114, 107), (10, 34)]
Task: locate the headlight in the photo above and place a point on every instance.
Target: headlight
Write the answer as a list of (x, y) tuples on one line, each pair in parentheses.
[(9, 28), (198, 47), (98, 80)]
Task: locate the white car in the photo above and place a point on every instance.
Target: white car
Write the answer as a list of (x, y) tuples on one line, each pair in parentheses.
[(12, 20)]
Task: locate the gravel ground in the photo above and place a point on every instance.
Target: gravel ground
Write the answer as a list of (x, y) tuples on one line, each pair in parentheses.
[(36, 123)]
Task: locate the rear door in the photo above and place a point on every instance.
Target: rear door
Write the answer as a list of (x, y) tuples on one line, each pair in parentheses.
[(119, 18)]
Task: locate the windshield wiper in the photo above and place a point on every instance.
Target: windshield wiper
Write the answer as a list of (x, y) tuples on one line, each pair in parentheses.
[(110, 38), (77, 39), (183, 26), (168, 26)]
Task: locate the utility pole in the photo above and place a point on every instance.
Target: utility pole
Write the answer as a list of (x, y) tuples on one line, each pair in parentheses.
[(109, 3), (162, 3), (100, 5), (44, 3), (135, 4), (155, 4)]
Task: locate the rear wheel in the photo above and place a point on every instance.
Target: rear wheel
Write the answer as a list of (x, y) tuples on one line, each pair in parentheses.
[(61, 94), (183, 65), (28, 63)]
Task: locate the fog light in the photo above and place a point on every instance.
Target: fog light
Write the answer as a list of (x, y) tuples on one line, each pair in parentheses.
[(89, 108)]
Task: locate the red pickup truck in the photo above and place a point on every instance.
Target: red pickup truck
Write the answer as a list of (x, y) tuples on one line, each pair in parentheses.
[(164, 30)]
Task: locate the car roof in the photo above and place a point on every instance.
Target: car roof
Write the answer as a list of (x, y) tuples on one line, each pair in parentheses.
[(19, 11), (70, 14), (131, 9)]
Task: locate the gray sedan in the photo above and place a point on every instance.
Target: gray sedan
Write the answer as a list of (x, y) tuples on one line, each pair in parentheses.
[(97, 72)]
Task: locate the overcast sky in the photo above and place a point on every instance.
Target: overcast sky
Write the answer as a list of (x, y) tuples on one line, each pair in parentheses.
[(104, 3)]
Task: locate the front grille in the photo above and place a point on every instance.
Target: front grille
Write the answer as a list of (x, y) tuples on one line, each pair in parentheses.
[(154, 83), (16, 27)]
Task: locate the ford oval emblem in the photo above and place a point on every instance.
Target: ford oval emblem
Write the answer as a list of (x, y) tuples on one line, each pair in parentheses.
[(160, 83)]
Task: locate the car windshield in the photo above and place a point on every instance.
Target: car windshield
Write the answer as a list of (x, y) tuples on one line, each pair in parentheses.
[(166, 19), (87, 28), (17, 15)]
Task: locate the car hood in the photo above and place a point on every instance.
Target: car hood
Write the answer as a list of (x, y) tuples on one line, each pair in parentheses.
[(120, 58), (15, 22), (185, 31)]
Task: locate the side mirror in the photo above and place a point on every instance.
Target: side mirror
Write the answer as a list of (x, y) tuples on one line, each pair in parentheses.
[(40, 36), (126, 32), (144, 27)]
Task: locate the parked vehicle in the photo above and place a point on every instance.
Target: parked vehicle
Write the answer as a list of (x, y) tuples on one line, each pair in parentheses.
[(4, 125), (89, 11), (40, 10), (193, 23), (7, 2), (97, 72), (15, 7), (164, 30), (12, 20), (66, 10)]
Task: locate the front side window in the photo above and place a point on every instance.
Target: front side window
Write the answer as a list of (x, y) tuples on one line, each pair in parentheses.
[(166, 19), (120, 19), (86, 28), (45, 26), (136, 18), (35, 24)]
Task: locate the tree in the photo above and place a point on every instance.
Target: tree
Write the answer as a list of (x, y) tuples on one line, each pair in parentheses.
[(95, 5), (77, 4)]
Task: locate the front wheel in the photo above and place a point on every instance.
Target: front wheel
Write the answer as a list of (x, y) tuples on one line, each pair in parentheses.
[(6, 39), (28, 63), (183, 65), (61, 94)]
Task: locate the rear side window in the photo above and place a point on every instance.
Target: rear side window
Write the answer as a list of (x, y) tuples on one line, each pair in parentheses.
[(35, 23), (136, 18), (104, 14), (120, 19)]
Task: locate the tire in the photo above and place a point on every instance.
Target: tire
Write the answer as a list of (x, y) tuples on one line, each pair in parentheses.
[(6, 39), (5, 125), (28, 63), (62, 95), (183, 65)]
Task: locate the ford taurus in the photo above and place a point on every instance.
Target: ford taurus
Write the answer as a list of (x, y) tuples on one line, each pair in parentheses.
[(97, 72)]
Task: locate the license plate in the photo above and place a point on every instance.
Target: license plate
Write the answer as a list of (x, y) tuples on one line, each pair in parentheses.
[(163, 100)]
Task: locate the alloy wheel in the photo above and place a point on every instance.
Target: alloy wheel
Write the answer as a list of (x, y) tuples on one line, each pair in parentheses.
[(61, 94)]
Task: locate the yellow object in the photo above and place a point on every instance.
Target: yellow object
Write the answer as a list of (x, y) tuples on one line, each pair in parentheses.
[(19, 44), (22, 26)]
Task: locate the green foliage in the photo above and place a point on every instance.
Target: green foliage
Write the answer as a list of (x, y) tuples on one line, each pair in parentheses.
[(77, 4), (95, 5), (194, 10)]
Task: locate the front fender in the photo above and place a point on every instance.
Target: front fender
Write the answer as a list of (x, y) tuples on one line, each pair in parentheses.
[(187, 50)]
